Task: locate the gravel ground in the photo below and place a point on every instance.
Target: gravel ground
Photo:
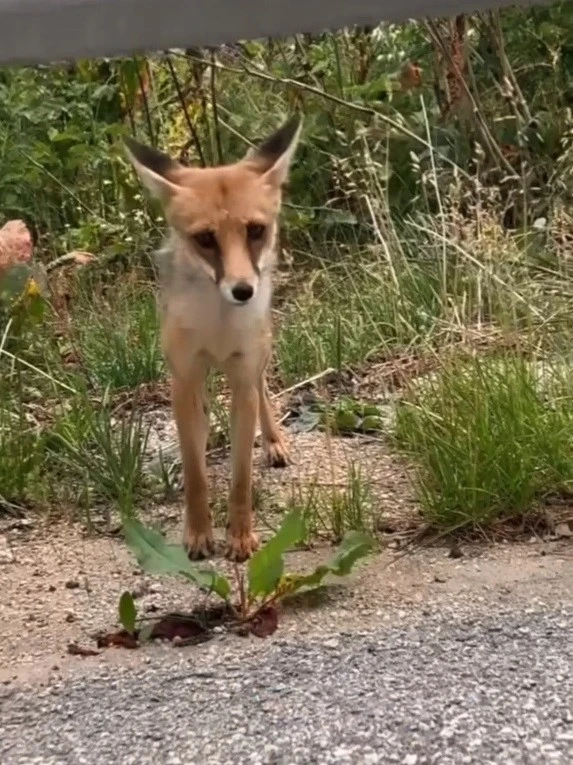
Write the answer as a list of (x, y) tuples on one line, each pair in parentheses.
[(493, 686)]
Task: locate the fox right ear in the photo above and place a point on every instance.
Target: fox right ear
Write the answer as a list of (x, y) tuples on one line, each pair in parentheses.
[(274, 156), (153, 167)]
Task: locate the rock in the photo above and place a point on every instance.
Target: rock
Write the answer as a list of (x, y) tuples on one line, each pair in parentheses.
[(6, 554), (563, 531), (15, 244)]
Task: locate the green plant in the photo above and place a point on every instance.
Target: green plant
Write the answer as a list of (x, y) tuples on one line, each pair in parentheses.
[(488, 438), (119, 342), (21, 456), (101, 453), (266, 582), (330, 510)]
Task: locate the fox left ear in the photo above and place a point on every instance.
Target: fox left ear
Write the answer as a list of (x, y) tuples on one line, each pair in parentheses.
[(156, 170), (274, 155)]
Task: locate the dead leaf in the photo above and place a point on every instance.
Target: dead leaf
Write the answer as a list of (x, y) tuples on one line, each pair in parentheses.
[(119, 639), (81, 257), (181, 629), (80, 650), (265, 623)]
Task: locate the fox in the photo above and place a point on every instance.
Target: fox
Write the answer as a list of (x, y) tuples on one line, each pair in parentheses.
[(215, 279)]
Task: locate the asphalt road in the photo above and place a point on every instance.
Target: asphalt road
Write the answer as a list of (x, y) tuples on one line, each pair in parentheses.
[(449, 689)]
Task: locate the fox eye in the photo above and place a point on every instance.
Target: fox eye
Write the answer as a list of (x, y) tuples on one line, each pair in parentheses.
[(205, 239), (255, 231)]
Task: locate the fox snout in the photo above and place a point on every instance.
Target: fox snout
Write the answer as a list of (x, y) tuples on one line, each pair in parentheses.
[(239, 291)]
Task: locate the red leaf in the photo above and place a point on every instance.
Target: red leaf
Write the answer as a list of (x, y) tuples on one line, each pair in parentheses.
[(181, 629), (119, 639), (80, 650), (265, 622)]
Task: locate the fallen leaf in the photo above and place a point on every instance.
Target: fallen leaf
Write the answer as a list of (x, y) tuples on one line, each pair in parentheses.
[(81, 258), (79, 650), (181, 629), (119, 639), (265, 622)]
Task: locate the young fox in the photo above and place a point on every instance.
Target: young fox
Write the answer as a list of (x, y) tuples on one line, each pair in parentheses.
[(216, 284)]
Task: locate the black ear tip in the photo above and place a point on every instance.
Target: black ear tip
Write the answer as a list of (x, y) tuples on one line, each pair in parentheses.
[(292, 125), (280, 141), (153, 159)]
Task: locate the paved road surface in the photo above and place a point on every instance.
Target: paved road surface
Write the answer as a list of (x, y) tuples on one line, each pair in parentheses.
[(473, 689)]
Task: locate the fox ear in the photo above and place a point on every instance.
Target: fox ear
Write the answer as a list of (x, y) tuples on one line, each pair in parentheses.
[(153, 167), (274, 155)]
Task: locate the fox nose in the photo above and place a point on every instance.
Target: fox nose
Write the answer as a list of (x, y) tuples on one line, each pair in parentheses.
[(242, 291)]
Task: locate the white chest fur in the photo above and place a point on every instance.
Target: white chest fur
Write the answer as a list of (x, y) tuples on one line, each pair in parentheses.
[(210, 322)]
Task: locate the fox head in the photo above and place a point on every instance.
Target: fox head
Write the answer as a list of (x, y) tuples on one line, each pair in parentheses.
[(225, 216)]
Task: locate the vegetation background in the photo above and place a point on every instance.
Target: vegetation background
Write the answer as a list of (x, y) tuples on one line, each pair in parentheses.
[(426, 244)]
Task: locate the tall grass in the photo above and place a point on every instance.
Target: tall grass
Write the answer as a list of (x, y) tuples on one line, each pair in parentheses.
[(118, 339), (489, 438)]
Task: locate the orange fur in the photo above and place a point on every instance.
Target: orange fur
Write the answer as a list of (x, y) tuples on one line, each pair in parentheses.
[(216, 286)]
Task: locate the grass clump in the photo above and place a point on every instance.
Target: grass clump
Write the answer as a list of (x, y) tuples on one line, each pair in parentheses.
[(21, 449), (119, 340), (489, 438), (101, 455)]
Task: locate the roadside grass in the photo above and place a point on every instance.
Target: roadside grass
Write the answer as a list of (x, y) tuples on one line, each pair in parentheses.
[(329, 510), (21, 455), (415, 292), (489, 438), (117, 337)]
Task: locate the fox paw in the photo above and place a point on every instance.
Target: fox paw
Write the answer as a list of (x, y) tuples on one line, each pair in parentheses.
[(241, 546), (276, 453), (198, 545)]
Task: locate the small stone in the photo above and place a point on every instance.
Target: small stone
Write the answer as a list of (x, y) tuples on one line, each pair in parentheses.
[(332, 643), (70, 617), (6, 554), (72, 584), (410, 759), (563, 531), (52, 588)]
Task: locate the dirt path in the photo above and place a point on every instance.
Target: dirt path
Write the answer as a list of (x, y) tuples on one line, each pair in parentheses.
[(63, 586)]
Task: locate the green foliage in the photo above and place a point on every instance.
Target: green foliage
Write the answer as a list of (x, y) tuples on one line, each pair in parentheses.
[(489, 439), (266, 580), (21, 452), (127, 612), (156, 556), (350, 416), (267, 564), (119, 340), (104, 452), (354, 546)]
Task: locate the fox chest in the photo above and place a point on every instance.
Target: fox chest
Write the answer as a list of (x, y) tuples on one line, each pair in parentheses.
[(206, 324)]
